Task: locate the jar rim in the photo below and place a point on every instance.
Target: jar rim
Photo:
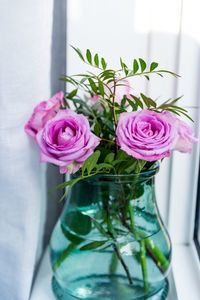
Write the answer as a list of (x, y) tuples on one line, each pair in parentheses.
[(126, 177)]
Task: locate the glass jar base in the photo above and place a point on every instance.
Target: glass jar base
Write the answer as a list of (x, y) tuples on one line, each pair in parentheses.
[(87, 288)]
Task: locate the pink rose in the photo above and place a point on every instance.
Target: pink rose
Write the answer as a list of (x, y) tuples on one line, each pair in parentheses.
[(185, 135), (123, 88), (43, 112), (145, 135), (66, 141)]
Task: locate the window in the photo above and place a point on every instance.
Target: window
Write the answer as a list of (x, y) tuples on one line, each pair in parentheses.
[(197, 220)]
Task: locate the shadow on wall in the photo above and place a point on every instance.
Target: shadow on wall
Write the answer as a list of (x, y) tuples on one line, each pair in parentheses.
[(58, 67)]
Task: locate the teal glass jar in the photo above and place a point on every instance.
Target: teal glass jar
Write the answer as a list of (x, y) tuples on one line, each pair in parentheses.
[(110, 241)]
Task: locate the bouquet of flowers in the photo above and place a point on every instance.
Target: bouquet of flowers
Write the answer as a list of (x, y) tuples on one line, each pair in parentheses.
[(103, 127), (109, 129)]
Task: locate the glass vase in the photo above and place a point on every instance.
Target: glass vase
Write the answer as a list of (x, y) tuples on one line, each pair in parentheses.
[(110, 241)]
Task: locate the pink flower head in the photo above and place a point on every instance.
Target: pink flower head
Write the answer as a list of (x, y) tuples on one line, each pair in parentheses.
[(185, 135), (43, 112), (66, 141), (145, 135), (122, 88), (96, 98)]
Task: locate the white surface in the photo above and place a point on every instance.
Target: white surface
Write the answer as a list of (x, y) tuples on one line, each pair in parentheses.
[(42, 287), (186, 269), (25, 79)]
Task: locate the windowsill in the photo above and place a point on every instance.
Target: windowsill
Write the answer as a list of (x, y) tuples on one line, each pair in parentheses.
[(42, 287), (186, 271)]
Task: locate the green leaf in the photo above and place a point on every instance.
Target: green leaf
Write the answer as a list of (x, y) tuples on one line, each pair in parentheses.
[(72, 94), (186, 116), (63, 256), (153, 66), (169, 72), (124, 66), (105, 166), (140, 165), (132, 104), (151, 102), (97, 129), (179, 108), (135, 66), (90, 162), (125, 71), (78, 52), (71, 237), (138, 101), (89, 56), (67, 80), (113, 263), (144, 98), (120, 110), (93, 85), (121, 63), (121, 155), (81, 102), (142, 64), (167, 103), (109, 158), (99, 227), (96, 60), (160, 74), (62, 185), (101, 88), (147, 77), (109, 73), (118, 161), (148, 101), (78, 222), (131, 167), (123, 101), (95, 106), (138, 190), (103, 63), (73, 182), (83, 80), (93, 245), (173, 111)]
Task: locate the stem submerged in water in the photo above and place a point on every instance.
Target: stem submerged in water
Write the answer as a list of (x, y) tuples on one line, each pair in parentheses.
[(142, 248), (144, 265), (112, 234)]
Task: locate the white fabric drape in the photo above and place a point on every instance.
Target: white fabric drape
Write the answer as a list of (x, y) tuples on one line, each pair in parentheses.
[(31, 59)]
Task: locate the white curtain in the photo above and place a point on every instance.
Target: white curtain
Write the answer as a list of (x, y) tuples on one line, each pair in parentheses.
[(32, 56)]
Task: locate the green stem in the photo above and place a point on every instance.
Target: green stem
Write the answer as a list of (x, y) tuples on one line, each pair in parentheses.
[(132, 220), (144, 265), (160, 260), (142, 248), (114, 116), (145, 73), (123, 264), (109, 141), (112, 233)]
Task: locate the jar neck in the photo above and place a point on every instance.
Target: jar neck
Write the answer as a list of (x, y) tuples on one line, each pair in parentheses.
[(122, 178)]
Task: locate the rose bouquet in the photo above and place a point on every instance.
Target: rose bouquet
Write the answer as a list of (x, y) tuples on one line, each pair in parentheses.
[(103, 130)]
